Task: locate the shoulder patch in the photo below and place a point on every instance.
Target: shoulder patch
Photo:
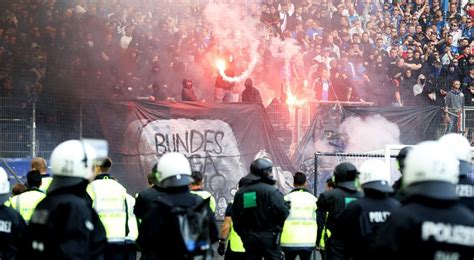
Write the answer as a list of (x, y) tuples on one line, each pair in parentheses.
[(250, 199)]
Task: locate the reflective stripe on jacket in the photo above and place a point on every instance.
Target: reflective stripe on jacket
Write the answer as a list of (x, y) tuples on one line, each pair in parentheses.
[(300, 228)]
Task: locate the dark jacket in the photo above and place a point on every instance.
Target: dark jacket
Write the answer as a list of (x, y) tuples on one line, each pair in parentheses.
[(144, 200), (333, 203), (468, 97), (258, 207), (424, 228), (64, 226), (158, 237), (188, 95), (359, 222), (251, 95), (11, 232)]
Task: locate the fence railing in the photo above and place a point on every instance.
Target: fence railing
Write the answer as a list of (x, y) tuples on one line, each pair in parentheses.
[(33, 129), (27, 130)]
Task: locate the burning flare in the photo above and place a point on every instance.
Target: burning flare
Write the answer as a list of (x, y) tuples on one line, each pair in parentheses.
[(220, 65), (293, 100)]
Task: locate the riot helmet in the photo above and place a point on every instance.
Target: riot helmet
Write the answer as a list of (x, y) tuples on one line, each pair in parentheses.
[(461, 148), (173, 170), (374, 174), (71, 163), (345, 175), (431, 171), (261, 167)]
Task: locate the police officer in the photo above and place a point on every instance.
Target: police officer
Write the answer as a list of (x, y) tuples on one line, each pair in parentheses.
[(401, 167), (40, 164), (109, 199), (158, 235), (300, 230), (430, 224), (64, 225), (12, 225), (196, 188), (144, 199), (358, 224), (26, 202), (259, 212), (461, 148), (332, 203)]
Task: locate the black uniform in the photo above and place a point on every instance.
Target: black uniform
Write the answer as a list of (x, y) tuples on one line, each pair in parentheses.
[(334, 202), (427, 228), (64, 226), (258, 215), (144, 200), (465, 191), (12, 227), (359, 222), (251, 95), (158, 237)]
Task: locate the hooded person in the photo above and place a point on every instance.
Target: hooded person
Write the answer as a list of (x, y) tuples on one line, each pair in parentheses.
[(187, 94), (424, 91), (431, 223), (360, 221), (333, 202), (13, 225), (418, 88), (251, 94), (461, 148)]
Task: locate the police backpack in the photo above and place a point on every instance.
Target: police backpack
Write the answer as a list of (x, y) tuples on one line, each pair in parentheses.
[(193, 226)]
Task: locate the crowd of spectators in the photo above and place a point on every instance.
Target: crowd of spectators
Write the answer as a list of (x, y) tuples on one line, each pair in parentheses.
[(399, 52)]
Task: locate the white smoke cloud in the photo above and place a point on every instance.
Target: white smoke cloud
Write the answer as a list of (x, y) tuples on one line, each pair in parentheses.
[(370, 133), (285, 49)]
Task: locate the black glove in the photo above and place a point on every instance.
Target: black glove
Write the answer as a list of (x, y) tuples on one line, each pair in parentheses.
[(221, 248)]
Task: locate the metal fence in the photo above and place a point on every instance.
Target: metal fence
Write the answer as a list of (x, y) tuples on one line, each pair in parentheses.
[(15, 128), (324, 163), (30, 129), (467, 123)]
